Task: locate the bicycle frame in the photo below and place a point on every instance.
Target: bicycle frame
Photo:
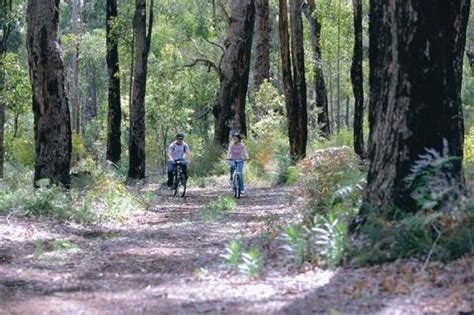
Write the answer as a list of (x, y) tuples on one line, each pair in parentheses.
[(236, 178), (179, 179)]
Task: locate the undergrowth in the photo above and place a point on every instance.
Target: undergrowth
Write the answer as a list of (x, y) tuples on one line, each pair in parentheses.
[(97, 193)]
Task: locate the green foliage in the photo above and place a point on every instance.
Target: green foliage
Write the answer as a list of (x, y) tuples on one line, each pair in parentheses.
[(252, 263), (78, 149), (296, 243), (59, 245), (233, 254), (333, 180), (329, 237), (425, 235), (21, 151), (215, 208), (430, 181), (97, 193)]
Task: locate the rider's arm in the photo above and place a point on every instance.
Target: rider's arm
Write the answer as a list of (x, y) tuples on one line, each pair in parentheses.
[(170, 158), (246, 154), (188, 154)]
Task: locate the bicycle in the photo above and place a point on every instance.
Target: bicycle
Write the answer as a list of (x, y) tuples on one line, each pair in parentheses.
[(236, 179), (179, 179)]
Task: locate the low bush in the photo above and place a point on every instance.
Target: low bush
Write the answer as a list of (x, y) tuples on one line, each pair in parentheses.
[(215, 208)]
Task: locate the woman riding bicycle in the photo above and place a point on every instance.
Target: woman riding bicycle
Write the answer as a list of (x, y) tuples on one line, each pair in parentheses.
[(237, 153), (177, 150)]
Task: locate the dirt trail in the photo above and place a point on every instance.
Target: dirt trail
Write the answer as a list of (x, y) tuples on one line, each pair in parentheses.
[(166, 261)]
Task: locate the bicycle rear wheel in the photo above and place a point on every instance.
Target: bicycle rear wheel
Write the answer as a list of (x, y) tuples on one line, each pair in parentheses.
[(175, 185), (182, 183), (237, 186)]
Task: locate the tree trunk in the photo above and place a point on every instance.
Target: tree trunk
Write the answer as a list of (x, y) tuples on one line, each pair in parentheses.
[(346, 119), (90, 108), (299, 123), (357, 81), (261, 42), (416, 50), (136, 147), (319, 82), (287, 77), (338, 68), (50, 106), (470, 58), (235, 68), (76, 106), (114, 144)]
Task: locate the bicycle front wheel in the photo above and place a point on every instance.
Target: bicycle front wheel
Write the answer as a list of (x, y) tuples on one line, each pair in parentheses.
[(237, 186)]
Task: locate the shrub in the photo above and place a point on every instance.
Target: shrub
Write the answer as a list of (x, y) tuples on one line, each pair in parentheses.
[(233, 254), (252, 263), (213, 209)]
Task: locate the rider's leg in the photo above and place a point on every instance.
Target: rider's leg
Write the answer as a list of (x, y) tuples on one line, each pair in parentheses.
[(241, 170), (184, 167), (232, 168), (170, 166)]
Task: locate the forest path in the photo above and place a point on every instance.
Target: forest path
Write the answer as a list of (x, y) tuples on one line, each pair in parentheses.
[(166, 261)]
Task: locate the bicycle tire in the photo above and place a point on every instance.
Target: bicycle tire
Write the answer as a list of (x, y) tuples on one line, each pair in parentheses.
[(176, 182), (182, 182), (237, 186)]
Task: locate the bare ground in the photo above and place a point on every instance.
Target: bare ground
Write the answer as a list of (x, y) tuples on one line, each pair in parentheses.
[(166, 260)]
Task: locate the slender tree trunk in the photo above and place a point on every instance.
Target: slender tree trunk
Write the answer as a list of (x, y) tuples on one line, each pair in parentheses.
[(136, 146), (114, 119), (90, 108), (300, 125), (319, 82), (338, 68), (76, 105), (470, 58), (357, 81), (346, 119), (6, 26), (416, 50), (50, 106), (235, 68), (287, 76), (261, 42)]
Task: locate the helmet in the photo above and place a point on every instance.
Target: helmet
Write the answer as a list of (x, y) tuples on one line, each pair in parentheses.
[(180, 136), (237, 135)]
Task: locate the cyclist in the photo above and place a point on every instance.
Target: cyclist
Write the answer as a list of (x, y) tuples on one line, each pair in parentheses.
[(177, 150), (237, 152)]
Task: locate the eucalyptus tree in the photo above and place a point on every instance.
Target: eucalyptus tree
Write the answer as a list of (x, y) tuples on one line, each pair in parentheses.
[(293, 73), (357, 80), (416, 58), (6, 26), (114, 144), (261, 42), (234, 69), (50, 105), (309, 10), (136, 144)]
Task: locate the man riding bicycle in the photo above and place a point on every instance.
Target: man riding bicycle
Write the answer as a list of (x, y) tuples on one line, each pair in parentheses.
[(177, 150), (237, 152)]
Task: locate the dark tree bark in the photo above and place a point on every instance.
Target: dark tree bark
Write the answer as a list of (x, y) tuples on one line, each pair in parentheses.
[(235, 68), (416, 50), (50, 105), (114, 120), (319, 82), (357, 81), (470, 58), (287, 76), (76, 105), (261, 42), (7, 27), (298, 119), (136, 146)]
